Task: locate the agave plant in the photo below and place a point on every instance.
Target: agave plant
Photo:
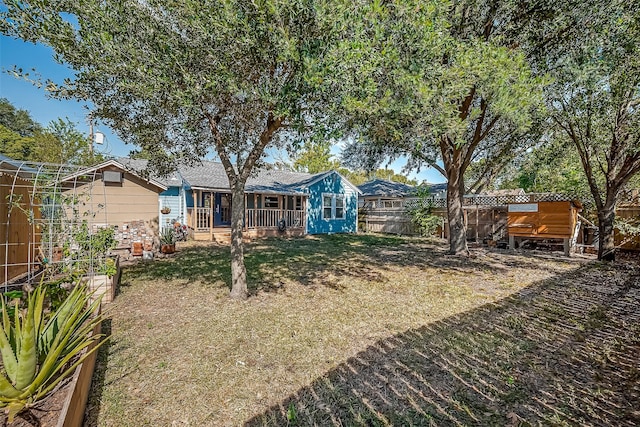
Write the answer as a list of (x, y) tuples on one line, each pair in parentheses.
[(41, 349)]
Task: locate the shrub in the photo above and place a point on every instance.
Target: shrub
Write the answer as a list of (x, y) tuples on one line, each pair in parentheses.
[(421, 214)]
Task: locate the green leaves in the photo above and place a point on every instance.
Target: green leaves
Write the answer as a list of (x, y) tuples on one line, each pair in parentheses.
[(39, 350)]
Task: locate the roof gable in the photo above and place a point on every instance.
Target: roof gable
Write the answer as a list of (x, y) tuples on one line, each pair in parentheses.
[(320, 176), (116, 164)]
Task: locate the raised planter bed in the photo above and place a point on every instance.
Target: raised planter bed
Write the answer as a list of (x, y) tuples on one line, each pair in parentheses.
[(72, 412), (66, 406), (101, 284)]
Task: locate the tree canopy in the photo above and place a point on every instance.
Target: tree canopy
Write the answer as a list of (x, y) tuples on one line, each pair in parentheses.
[(435, 80), (180, 78), (22, 138), (595, 105)]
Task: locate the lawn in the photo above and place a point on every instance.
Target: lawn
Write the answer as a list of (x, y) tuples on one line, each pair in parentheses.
[(371, 330)]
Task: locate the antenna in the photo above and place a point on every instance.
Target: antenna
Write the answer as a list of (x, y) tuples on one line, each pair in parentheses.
[(99, 138)]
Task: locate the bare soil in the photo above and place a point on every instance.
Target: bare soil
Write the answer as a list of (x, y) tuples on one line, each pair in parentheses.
[(43, 414)]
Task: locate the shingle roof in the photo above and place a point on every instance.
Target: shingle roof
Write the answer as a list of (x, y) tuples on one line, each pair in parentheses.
[(385, 188), (211, 175), (137, 166), (437, 188)]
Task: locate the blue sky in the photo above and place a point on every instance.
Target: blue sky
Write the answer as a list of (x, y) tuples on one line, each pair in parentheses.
[(24, 95)]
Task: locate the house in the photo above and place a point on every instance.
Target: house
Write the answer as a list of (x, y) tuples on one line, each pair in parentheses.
[(276, 202), (382, 193), (113, 194)]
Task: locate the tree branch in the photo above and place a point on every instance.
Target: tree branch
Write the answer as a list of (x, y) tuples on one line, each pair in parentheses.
[(220, 148)]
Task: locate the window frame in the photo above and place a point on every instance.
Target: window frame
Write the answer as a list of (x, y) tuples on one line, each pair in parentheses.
[(333, 206)]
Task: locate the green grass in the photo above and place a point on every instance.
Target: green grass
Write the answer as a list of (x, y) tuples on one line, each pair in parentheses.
[(366, 330)]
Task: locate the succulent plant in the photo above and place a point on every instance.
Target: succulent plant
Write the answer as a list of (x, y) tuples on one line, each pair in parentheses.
[(40, 349), (168, 237)]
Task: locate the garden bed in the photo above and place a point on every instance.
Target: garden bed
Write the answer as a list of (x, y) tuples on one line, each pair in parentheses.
[(65, 406), (105, 285)]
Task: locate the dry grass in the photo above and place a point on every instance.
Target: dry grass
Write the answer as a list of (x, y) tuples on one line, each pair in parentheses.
[(352, 330)]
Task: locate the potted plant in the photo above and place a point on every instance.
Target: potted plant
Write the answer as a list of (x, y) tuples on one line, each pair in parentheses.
[(165, 210), (167, 241)]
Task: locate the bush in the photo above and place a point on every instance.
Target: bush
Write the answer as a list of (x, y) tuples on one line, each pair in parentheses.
[(421, 213)]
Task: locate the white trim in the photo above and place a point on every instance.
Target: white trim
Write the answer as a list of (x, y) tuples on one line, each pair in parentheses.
[(523, 207), (118, 165), (334, 197), (326, 174)]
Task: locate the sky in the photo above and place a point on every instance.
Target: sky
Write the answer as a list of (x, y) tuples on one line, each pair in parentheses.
[(43, 109)]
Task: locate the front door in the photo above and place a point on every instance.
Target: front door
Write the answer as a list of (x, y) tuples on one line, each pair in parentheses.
[(222, 209)]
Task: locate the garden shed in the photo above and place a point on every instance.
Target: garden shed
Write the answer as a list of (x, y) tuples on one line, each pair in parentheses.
[(628, 211), (555, 218)]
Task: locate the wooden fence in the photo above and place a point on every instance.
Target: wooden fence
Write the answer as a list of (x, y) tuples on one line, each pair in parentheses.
[(19, 235), (483, 222)]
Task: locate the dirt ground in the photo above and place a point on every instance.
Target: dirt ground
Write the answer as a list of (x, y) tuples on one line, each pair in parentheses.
[(371, 330)]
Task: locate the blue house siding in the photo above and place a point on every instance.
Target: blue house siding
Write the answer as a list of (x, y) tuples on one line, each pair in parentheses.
[(331, 185), (172, 198)]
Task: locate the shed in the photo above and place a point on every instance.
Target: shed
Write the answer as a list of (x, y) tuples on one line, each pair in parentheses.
[(543, 220), (628, 210)]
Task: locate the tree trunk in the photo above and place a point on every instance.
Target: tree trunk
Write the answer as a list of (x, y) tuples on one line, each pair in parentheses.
[(606, 218), (455, 213), (238, 269)]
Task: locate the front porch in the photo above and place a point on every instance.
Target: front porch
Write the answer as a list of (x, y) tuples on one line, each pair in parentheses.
[(265, 215)]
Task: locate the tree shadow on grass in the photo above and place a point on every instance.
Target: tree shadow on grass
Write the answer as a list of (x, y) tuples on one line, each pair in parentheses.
[(561, 352), (314, 260)]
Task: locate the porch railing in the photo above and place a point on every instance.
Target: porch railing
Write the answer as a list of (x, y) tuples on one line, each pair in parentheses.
[(256, 218), (203, 221), (270, 218)]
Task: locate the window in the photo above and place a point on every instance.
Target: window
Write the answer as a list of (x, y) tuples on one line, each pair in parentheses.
[(326, 207), (339, 207), (271, 202), (333, 206)]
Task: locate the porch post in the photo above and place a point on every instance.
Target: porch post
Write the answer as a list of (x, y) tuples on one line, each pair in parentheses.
[(285, 200), (255, 210), (212, 202), (245, 212), (194, 216)]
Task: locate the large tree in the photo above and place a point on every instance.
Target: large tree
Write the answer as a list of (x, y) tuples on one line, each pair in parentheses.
[(595, 102), (61, 142), (437, 79), (178, 78), (22, 138)]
